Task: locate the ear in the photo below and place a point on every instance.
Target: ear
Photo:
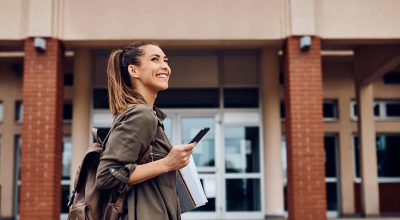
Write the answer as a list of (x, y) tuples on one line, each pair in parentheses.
[(133, 71)]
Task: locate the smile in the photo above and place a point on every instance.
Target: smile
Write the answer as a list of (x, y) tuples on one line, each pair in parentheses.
[(162, 75)]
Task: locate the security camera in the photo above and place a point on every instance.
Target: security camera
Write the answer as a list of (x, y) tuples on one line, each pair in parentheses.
[(40, 44), (305, 43)]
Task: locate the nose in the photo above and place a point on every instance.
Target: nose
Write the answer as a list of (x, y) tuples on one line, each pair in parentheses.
[(164, 65)]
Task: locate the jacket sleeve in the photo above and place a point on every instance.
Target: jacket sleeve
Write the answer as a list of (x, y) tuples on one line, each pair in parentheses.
[(131, 136)]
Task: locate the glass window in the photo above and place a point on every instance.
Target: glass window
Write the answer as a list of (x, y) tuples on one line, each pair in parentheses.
[(331, 146), (19, 109), (168, 128), (188, 98), (241, 98), (68, 79), (281, 78), (330, 109), (243, 195), (392, 78), (388, 154), (354, 109), (282, 109), (64, 198), (67, 111), (388, 150), (242, 150), (100, 99), (1, 112), (66, 158), (204, 152), (332, 196), (392, 109), (330, 156), (17, 150)]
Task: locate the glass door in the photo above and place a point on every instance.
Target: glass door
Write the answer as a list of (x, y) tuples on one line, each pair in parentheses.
[(242, 174), (228, 160), (181, 127)]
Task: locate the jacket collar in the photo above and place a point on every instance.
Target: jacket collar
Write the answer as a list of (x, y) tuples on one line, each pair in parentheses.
[(160, 114)]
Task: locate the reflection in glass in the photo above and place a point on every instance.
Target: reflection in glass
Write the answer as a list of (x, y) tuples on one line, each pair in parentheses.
[(66, 157), (388, 152), (331, 196), (1, 111), (242, 152), (168, 128), (64, 198), (204, 152), (243, 195)]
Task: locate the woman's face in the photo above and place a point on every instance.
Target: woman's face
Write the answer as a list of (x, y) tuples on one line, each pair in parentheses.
[(154, 71)]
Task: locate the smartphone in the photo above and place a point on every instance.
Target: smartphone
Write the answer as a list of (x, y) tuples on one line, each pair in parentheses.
[(199, 135)]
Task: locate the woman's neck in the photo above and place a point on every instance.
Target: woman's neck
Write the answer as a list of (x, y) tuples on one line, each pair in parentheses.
[(148, 95)]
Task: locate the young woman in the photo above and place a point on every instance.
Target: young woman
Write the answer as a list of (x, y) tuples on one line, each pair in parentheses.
[(135, 75)]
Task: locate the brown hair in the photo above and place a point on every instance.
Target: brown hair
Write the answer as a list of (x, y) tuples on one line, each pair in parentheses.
[(120, 90)]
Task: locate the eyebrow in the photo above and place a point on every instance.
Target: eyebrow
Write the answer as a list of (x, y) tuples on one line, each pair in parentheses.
[(159, 56)]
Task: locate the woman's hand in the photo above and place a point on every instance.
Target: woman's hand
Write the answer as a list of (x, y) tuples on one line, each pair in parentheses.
[(178, 157)]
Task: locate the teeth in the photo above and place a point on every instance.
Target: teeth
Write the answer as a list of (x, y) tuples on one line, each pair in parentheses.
[(162, 76)]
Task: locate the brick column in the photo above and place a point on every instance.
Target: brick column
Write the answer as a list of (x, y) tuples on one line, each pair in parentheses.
[(304, 131), (42, 95)]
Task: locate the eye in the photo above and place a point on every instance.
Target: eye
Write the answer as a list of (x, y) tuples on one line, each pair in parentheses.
[(154, 59), (166, 61)]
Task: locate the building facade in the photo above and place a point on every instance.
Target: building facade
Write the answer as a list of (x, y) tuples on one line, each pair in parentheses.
[(302, 98)]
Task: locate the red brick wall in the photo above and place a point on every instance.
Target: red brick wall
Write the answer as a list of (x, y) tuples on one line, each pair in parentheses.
[(41, 153), (304, 131)]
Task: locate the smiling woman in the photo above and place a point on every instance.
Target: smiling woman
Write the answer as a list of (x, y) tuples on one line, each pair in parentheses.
[(135, 75)]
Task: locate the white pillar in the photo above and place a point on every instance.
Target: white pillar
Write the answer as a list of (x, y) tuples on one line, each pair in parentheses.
[(270, 99), (368, 157), (82, 102)]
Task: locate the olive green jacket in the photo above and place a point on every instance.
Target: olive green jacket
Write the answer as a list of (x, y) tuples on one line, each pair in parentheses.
[(156, 198)]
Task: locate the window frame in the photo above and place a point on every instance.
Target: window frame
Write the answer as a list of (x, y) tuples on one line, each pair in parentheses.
[(1, 111), (380, 179), (382, 110)]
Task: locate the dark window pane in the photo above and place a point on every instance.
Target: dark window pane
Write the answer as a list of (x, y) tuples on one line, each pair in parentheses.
[(241, 98), (355, 109), (282, 110), (243, 195), (388, 150), (330, 155), (331, 196), (281, 78), (67, 111), (68, 79), (242, 150), (188, 98), (377, 111), (64, 198), (392, 78), (357, 155), (19, 109), (100, 99), (393, 109), (330, 109)]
